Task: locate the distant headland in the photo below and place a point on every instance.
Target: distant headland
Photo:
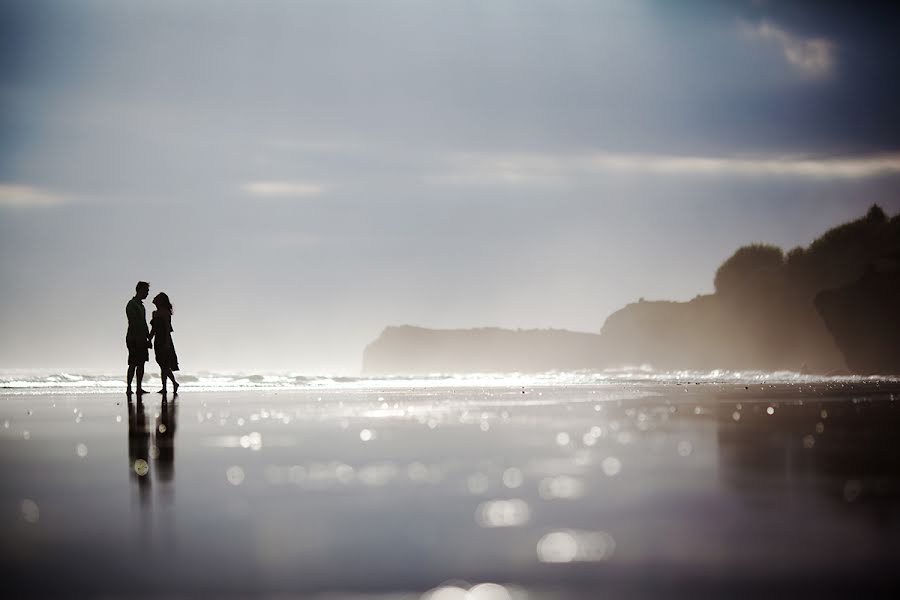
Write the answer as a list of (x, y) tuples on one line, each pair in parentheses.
[(408, 349), (831, 307)]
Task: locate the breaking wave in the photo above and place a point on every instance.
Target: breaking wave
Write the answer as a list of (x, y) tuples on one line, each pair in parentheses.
[(12, 381)]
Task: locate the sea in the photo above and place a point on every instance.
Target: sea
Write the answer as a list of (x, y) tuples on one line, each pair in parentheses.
[(629, 483)]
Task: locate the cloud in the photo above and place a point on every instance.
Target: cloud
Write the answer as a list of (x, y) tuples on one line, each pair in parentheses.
[(545, 169), (282, 189), (25, 196), (812, 56), (821, 168)]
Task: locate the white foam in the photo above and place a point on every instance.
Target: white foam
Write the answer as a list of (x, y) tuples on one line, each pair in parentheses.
[(23, 381)]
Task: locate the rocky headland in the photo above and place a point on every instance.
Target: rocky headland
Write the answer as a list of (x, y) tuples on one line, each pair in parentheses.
[(831, 307), (407, 349)]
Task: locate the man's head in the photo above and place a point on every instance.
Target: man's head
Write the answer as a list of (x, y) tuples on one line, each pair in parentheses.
[(142, 289)]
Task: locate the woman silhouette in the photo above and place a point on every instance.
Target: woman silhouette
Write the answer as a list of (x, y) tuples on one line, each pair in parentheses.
[(163, 348)]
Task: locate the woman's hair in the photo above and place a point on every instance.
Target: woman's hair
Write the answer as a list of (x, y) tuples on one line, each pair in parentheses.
[(162, 301)]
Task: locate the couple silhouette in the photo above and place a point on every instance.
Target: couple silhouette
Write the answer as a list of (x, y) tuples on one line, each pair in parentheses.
[(140, 339)]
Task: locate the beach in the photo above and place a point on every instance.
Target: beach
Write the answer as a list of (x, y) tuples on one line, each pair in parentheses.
[(625, 489)]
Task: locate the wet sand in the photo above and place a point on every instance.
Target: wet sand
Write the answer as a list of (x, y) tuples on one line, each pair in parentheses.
[(625, 491)]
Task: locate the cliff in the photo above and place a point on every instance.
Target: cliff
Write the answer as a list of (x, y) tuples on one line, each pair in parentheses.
[(709, 332), (763, 315), (766, 313), (408, 349)]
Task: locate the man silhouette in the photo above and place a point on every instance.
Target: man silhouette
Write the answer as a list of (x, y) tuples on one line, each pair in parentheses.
[(138, 337)]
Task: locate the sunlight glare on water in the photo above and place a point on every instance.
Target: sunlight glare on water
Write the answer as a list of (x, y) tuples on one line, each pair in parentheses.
[(503, 513), (575, 546)]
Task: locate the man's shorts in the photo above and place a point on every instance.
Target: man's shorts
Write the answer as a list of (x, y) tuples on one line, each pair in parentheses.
[(138, 353)]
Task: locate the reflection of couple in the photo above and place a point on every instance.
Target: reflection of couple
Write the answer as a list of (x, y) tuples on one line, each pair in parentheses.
[(141, 445), (139, 339)]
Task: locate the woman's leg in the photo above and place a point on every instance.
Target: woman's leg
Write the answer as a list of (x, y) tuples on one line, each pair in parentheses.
[(174, 383), (162, 375)]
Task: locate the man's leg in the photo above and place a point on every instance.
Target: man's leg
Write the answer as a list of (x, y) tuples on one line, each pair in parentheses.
[(140, 378), (130, 377)]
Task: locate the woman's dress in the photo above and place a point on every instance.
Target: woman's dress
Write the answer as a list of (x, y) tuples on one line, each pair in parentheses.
[(163, 347)]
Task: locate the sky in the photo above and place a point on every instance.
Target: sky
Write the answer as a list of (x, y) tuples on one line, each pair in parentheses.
[(299, 175)]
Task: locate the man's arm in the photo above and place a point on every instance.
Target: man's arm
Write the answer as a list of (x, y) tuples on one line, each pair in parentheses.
[(130, 313)]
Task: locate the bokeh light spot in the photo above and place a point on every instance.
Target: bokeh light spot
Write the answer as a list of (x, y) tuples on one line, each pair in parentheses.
[(30, 511), (611, 466), (235, 475), (513, 478)]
